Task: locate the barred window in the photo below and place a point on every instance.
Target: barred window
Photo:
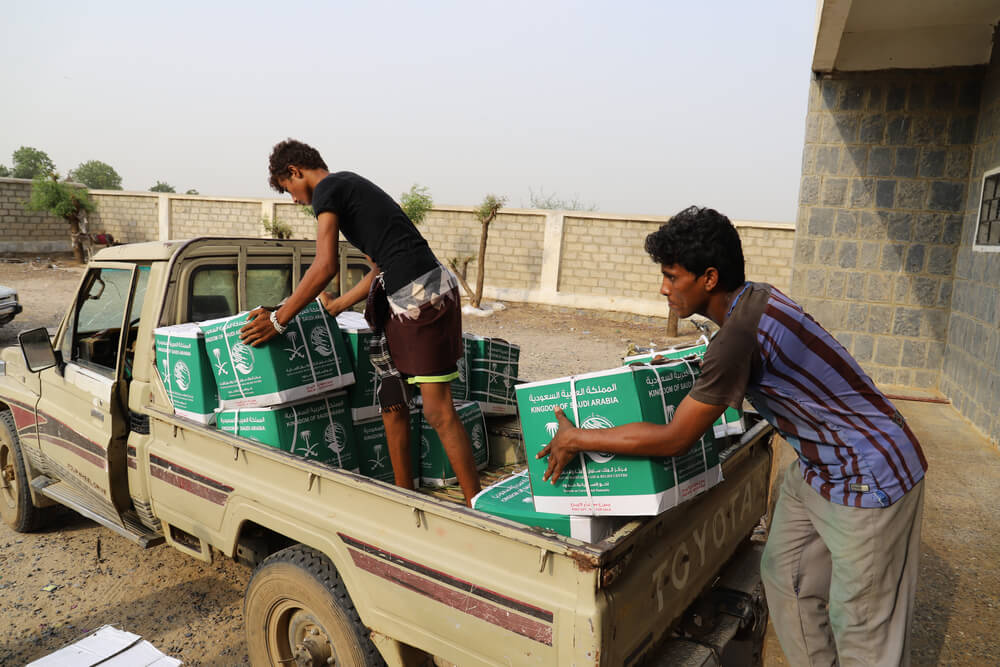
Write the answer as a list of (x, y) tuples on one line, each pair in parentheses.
[(988, 227)]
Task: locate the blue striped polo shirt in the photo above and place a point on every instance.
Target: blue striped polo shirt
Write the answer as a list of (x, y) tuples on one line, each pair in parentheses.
[(854, 447)]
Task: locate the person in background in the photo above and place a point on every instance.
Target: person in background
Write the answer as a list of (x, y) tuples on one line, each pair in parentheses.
[(412, 304), (840, 564)]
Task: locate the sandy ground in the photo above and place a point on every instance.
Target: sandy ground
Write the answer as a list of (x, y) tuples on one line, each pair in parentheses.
[(74, 576)]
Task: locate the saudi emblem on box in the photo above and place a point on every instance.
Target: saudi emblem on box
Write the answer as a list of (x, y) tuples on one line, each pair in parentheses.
[(435, 468), (732, 421), (183, 365), (487, 374), (318, 429), (363, 394), (373, 450), (310, 358), (608, 484), (511, 499)]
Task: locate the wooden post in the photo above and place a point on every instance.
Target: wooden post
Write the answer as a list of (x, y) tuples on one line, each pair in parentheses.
[(672, 324)]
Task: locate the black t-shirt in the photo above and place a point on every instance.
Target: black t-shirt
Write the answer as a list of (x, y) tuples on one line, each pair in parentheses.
[(376, 225)]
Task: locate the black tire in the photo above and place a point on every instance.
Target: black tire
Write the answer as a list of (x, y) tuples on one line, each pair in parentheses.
[(297, 611), (16, 507)]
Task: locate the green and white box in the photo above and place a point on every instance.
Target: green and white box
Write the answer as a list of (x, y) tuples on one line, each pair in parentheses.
[(435, 468), (732, 421), (309, 359), (492, 370), (363, 394), (182, 362), (511, 499), (607, 484), (318, 429), (373, 449)]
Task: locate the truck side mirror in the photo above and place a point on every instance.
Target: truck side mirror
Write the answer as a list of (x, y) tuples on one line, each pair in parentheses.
[(37, 349)]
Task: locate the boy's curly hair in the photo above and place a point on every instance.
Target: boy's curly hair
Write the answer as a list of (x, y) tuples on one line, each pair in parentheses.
[(292, 153), (699, 238)]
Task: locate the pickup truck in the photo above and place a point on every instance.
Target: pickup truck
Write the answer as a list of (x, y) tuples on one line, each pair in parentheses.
[(349, 570)]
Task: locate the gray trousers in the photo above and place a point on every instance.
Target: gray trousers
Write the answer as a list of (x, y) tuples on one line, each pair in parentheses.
[(841, 581)]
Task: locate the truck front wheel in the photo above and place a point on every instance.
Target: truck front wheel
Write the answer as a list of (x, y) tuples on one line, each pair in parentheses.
[(16, 507), (297, 611)]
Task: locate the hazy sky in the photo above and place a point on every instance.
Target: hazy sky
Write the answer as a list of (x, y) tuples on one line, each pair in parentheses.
[(635, 107)]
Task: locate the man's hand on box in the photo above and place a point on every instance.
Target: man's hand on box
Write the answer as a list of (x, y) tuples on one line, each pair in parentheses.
[(331, 304), (560, 450), (258, 329)]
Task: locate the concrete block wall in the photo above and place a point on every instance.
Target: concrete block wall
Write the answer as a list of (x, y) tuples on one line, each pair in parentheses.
[(25, 231), (971, 371), (190, 217), (129, 217), (885, 170), (513, 250)]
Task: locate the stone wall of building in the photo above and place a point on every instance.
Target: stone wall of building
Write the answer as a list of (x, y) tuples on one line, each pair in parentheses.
[(971, 372), (885, 170), (195, 216), (128, 216)]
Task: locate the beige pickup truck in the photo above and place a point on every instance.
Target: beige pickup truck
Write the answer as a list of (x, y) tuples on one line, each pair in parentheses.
[(349, 570)]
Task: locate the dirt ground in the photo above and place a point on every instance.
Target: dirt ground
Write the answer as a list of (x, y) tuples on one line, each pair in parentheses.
[(74, 576)]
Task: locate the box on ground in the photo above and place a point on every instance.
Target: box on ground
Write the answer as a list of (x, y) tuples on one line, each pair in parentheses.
[(182, 361), (435, 468), (487, 374), (310, 358), (732, 421), (511, 499), (607, 484), (373, 449), (363, 394), (318, 429)]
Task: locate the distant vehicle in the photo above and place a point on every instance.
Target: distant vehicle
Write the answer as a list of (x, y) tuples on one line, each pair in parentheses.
[(9, 306)]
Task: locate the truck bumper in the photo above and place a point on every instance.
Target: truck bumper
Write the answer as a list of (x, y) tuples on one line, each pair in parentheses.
[(726, 625)]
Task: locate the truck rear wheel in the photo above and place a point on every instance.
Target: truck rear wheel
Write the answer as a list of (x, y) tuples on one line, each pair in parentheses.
[(297, 611), (16, 507)]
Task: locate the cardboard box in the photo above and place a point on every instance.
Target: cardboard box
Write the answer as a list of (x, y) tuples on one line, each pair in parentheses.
[(606, 484), (373, 450), (309, 359), (511, 499), (732, 421), (363, 394), (318, 429), (487, 374), (435, 468), (182, 361)]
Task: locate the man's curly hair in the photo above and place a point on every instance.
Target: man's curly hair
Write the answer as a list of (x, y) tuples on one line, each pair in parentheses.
[(699, 238), (292, 153)]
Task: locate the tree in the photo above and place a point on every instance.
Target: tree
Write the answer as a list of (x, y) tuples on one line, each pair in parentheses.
[(416, 203), (4, 171), (162, 187), (552, 202), (486, 213), (276, 228), (97, 175), (192, 191), (65, 201), (31, 163)]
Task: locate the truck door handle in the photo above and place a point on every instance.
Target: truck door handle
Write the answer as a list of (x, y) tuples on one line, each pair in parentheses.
[(94, 412)]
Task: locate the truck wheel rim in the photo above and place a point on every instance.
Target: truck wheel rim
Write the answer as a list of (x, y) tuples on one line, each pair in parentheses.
[(297, 637), (8, 477)]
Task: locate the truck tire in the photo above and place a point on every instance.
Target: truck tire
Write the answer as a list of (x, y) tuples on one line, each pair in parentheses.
[(297, 611), (16, 507)]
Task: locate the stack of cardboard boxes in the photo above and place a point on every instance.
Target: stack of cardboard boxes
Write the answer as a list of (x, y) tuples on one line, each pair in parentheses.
[(313, 392)]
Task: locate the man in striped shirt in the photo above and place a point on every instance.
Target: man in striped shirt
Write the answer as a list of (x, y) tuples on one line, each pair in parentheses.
[(840, 563)]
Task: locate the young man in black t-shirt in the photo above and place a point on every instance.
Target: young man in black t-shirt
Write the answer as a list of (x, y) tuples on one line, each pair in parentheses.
[(413, 302)]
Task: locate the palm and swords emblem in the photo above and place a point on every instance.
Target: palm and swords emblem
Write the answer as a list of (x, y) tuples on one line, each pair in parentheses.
[(310, 447), (220, 365), (295, 350)]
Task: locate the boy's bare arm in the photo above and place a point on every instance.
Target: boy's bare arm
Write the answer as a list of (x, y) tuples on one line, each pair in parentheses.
[(690, 422), (258, 329), (357, 294)]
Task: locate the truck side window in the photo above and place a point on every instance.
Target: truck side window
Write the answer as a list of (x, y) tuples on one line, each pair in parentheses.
[(213, 293), (141, 281), (100, 311), (268, 285)]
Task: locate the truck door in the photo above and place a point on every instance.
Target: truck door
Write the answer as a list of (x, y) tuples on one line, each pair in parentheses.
[(82, 407)]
